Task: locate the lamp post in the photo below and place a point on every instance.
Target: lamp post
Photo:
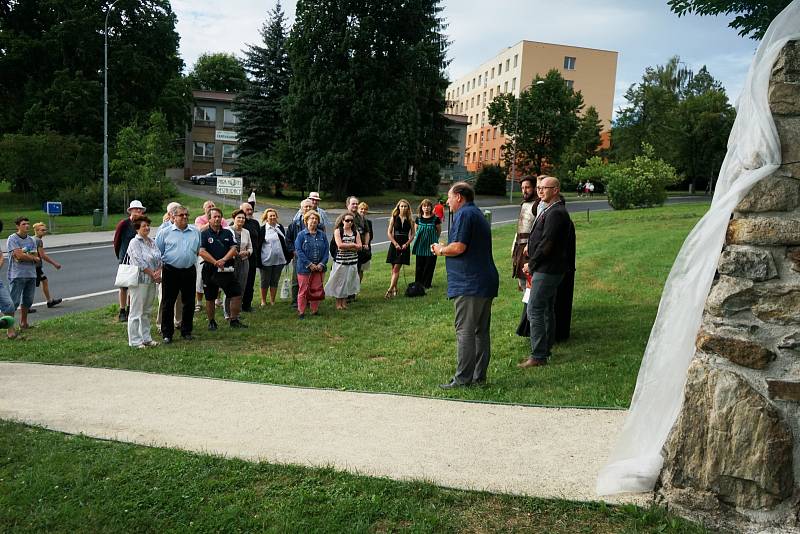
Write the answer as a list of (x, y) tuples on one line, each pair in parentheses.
[(105, 117), (514, 148)]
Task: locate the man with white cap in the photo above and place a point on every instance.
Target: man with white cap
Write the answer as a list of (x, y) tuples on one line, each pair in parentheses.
[(324, 221), (123, 234)]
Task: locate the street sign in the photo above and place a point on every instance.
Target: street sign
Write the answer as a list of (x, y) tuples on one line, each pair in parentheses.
[(229, 185), (52, 208)]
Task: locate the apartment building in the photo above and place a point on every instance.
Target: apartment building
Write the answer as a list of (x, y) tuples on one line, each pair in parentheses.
[(590, 71), (211, 142)]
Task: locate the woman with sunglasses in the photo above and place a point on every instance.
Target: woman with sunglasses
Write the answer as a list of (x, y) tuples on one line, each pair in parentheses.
[(401, 234), (344, 280)]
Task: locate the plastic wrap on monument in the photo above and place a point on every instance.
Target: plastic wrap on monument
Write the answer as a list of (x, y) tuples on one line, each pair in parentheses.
[(754, 153)]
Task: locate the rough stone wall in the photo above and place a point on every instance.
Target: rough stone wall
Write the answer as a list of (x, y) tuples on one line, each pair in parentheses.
[(733, 457)]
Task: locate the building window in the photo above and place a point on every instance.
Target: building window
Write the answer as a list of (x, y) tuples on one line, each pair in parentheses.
[(513, 83), (231, 118), (516, 57), (472, 102), (569, 63), (493, 154), (483, 116), (484, 98), (491, 93), (474, 157), (498, 90), (505, 87), (480, 156), (499, 69), (494, 133), (205, 114), (493, 73), (204, 151), (229, 153), (481, 137), (508, 64), (479, 100), (479, 79), (569, 83)]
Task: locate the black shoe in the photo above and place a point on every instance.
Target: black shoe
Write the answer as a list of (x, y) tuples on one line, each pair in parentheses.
[(31, 310), (123, 315), (453, 385), (236, 323), (54, 302), (212, 325), (247, 309), (166, 340), (187, 337)]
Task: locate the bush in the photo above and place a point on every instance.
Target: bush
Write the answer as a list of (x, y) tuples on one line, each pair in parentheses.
[(491, 181), (428, 178), (81, 200)]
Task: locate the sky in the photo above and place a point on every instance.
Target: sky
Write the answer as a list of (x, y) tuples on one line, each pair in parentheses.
[(644, 32)]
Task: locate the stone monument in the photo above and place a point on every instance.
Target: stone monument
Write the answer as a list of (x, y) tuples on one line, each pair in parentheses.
[(733, 456)]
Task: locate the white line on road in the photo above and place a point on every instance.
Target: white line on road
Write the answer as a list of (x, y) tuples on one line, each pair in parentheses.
[(77, 249), (80, 297)]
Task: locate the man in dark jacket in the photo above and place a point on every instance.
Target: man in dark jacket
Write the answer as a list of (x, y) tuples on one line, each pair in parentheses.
[(254, 229), (547, 250)]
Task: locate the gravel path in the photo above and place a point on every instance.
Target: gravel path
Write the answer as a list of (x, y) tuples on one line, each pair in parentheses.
[(546, 452)]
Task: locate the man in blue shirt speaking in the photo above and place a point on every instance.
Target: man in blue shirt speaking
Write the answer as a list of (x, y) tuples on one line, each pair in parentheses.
[(179, 244), (472, 283)]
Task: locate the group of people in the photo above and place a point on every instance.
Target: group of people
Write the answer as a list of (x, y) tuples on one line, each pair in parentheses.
[(188, 264), (26, 257), (585, 189)]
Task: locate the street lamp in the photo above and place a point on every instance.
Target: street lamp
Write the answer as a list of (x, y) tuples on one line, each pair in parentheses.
[(105, 117), (514, 148)]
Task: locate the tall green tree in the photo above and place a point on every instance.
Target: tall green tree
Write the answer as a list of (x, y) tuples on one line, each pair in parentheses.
[(51, 65), (143, 153), (540, 124), (752, 16), (218, 71), (263, 154), (367, 92), (583, 145)]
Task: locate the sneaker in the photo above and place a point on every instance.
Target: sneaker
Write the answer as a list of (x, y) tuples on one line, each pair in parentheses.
[(198, 308), (166, 340), (301, 316), (236, 323), (212, 325), (123, 315), (54, 302), (151, 343), (139, 347)]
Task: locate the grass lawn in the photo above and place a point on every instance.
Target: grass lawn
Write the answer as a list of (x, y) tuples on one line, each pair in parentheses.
[(407, 345), (51, 482)]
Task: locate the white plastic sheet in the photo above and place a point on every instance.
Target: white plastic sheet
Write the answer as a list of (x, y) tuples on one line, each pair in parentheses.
[(753, 154)]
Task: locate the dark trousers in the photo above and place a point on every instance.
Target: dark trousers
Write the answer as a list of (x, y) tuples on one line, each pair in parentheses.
[(473, 317), (425, 267), (247, 290), (173, 282), (541, 313)]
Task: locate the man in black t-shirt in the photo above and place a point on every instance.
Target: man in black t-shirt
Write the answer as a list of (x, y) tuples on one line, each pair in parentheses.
[(218, 249)]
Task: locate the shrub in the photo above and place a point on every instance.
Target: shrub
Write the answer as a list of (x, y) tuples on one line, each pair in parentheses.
[(428, 178), (491, 181), (81, 200)]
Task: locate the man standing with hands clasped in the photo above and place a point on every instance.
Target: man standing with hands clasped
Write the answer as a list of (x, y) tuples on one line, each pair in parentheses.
[(547, 250), (218, 248), (472, 283)]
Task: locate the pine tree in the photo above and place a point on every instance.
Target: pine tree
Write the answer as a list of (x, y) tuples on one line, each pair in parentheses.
[(260, 105)]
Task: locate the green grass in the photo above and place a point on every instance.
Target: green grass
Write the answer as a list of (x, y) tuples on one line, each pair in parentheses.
[(407, 345), (13, 205), (51, 482)]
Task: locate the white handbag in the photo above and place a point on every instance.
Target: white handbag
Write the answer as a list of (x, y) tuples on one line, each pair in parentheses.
[(127, 274)]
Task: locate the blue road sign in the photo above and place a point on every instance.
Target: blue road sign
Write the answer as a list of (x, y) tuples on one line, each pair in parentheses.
[(52, 208)]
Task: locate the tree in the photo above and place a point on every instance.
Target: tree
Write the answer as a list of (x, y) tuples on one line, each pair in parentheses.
[(491, 181), (51, 65), (584, 144), (260, 106), (142, 154), (218, 72), (367, 92), (539, 125), (753, 17)]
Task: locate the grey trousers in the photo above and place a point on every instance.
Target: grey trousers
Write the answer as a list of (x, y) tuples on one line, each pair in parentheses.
[(472, 321), (541, 313)]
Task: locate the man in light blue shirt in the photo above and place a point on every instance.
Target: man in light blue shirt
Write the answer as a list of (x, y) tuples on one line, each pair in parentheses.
[(179, 245)]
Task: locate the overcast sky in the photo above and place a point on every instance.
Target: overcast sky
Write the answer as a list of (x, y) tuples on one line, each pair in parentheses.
[(644, 32)]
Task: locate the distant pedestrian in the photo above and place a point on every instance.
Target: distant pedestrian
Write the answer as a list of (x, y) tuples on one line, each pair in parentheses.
[(438, 209), (218, 249), (252, 199), (472, 283), (123, 234), (39, 231), (579, 189), (590, 186), (23, 259), (429, 227), (179, 245), (144, 254), (401, 234), (312, 250)]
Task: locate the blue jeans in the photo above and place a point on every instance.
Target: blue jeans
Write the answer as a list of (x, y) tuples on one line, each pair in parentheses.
[(22, 291), (541, 313), (6, 304)]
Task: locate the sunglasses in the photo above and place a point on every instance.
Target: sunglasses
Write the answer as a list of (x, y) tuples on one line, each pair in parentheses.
[(348, 220)]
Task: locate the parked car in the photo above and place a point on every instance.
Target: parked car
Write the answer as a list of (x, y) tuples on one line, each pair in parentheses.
[(210, 178)]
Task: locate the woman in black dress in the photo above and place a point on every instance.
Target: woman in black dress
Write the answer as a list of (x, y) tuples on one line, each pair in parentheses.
[(401, 234)]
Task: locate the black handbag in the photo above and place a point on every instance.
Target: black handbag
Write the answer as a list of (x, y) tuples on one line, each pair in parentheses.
[(415, 290)]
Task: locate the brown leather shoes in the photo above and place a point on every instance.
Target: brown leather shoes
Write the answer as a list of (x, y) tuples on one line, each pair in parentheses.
[(530, 362)]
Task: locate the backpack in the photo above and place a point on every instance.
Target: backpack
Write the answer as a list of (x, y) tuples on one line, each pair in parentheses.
[(415, 290)]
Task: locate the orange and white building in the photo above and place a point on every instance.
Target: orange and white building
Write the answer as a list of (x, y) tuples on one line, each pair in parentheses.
[(590, 71)]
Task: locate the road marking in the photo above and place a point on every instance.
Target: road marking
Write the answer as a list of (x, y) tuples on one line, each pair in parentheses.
[(76, 249), (79, 297)]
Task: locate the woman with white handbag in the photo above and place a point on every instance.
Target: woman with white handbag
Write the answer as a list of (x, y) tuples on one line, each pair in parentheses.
[(143, 254)]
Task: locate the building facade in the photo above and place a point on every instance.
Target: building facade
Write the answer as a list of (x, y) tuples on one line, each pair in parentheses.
[(590, 71), (212, 141), (457, 129)]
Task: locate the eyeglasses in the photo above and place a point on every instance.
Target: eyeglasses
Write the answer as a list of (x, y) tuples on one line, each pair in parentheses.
[(543, 187), (181, 215)]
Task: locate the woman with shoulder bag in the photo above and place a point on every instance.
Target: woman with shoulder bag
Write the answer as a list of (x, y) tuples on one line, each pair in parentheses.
[(311, 247)]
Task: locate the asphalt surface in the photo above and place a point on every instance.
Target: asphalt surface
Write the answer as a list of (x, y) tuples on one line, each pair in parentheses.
[(86, 280)]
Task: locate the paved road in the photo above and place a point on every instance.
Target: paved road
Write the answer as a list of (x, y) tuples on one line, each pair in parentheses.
[(86, 279)]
